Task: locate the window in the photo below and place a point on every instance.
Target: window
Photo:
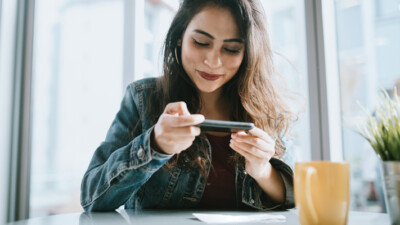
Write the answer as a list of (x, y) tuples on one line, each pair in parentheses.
[(83, 54), (78, 83), (158, 17), (368, 34), (286, 26)]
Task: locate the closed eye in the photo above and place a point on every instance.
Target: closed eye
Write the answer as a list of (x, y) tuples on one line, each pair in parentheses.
[(233, 51), (200, 43)]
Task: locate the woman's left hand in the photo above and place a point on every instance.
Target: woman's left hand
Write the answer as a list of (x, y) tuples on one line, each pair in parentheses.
[(257, 147)]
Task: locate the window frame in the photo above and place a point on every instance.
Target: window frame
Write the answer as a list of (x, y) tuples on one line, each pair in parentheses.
[(133, 50), (326, 137), (8, 12), (19, 165)]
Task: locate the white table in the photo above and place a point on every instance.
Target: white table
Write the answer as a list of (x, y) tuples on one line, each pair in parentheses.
[(179, 217)]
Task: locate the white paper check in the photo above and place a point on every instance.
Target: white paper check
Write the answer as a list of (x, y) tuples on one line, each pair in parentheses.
[(220, 218)]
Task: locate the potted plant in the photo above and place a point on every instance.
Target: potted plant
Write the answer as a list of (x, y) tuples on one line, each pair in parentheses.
[(382, 131)]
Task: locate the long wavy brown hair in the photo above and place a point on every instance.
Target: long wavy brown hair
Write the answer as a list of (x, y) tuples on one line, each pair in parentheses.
[(252, 91)]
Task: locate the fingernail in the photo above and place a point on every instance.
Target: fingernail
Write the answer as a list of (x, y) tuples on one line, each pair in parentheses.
[(200, 117)]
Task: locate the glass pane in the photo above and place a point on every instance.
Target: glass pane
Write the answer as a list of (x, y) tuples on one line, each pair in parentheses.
[(158, 16), (368, 34), (286, 24), (77, 88), (78, 79)]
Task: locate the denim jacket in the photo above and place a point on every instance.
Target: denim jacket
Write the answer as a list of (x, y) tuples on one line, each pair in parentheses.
[(125, 170)]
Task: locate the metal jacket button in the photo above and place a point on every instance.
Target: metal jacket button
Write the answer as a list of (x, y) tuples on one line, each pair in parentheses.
[(140, 153)]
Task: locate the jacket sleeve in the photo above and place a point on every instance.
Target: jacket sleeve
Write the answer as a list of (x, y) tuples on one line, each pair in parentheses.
[(122, 163), (255, 197)]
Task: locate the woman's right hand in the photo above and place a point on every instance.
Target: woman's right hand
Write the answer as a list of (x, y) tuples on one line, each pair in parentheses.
[(175, 130)]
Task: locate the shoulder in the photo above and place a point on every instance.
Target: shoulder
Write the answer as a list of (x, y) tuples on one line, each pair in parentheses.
[(143, 84), (141, 91), (143, 88)]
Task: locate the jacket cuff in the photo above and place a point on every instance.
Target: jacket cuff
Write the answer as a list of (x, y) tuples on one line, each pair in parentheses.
[(287, 176), (255, 197), (142, 152)]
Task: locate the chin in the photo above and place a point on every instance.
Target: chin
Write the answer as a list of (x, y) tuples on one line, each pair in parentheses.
[(207, 86), (208, 89)]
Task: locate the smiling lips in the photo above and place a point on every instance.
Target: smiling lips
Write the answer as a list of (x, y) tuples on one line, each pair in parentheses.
[(208, 76)]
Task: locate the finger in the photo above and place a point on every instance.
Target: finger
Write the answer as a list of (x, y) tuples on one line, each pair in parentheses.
[(243, 153), (177, 107), (262, 134), (252, 140), (183, 121), (189, 131), (250, 149)]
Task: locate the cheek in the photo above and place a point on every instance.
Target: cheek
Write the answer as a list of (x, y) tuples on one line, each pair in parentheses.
[(234, 63), (190, 56)]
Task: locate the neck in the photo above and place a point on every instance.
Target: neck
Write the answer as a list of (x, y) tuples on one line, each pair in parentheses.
[(214, 106)]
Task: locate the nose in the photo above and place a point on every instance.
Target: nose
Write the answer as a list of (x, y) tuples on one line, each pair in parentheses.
[(213, 59)]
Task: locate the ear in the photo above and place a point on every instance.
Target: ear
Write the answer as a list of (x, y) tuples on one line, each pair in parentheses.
[(179, 43)]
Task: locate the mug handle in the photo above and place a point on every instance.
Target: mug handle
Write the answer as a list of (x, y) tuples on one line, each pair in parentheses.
[(311, 171)]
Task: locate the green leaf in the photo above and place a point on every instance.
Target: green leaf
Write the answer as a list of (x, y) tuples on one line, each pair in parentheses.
[(382, 131)]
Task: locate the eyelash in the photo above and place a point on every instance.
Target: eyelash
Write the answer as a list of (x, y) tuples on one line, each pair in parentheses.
[(226, 49), (200, 44), (232, 51)]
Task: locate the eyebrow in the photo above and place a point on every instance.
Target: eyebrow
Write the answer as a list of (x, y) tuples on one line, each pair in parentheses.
[(227, 40)]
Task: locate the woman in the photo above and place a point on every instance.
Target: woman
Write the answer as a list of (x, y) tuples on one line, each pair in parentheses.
[(217, 65)]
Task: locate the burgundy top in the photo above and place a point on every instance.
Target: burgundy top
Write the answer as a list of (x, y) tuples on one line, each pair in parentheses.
[(220, 188)]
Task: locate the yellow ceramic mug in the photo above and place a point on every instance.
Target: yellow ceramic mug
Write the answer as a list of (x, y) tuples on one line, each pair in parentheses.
[(321, 191)]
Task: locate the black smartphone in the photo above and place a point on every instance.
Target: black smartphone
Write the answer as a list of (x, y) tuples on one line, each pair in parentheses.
[(225, 126)]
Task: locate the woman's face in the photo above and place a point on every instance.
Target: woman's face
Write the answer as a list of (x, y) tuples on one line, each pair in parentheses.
[(212, 49)]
